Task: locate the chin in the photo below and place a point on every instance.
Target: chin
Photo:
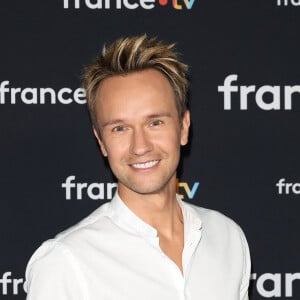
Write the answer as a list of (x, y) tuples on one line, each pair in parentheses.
[(148, 187)]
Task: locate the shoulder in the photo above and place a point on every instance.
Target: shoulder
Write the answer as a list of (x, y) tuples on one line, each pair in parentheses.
[(51, 253), (56, 258), (99, 219), (50, 268), (211, 216)]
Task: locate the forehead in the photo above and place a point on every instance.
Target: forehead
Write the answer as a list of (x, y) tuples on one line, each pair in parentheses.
[(150, 79), (143, 92)]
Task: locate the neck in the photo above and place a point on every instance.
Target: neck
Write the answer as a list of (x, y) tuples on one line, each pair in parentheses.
[(160, 210)]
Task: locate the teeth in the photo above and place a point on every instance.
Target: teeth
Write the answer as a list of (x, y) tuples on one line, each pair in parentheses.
[(148, 164)]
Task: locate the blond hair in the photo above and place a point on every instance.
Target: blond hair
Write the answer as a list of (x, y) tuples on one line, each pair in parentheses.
[(133, 54)]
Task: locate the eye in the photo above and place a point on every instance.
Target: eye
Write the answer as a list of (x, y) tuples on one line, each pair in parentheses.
[(156, 123), (118, 128)]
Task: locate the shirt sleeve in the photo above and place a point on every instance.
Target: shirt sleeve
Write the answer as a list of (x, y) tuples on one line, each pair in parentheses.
[(53, 273), (246, 269)]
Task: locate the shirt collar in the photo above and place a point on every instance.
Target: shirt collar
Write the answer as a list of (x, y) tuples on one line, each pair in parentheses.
[(190, 216), (191, 220), (127, 219)]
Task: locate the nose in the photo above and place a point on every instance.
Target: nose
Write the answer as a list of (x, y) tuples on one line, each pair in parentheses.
[(140, 142)]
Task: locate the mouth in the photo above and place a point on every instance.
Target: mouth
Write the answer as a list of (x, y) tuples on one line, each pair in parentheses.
[(145, 165)]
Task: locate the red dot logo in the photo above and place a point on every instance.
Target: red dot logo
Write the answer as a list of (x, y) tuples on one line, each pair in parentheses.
[(163, 2)]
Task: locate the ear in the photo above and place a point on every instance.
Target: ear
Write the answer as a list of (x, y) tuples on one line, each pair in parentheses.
[(185, 128), (102, 147)]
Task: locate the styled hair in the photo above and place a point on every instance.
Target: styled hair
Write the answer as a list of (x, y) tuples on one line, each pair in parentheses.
[(133, 54)]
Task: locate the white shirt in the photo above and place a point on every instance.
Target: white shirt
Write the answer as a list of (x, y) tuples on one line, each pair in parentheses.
[(114, 255)]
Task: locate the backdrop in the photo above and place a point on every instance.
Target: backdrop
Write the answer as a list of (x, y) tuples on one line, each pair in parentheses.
[(243, 158)]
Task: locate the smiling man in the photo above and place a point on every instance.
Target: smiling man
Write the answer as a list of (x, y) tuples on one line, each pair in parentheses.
[(146, 243)]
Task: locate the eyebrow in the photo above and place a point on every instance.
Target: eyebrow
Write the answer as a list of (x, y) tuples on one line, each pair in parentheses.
[(148, 117), (112, 122), (158, 115)]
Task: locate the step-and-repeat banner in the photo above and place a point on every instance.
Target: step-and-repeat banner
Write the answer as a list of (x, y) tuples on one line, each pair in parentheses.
[(243, 158)]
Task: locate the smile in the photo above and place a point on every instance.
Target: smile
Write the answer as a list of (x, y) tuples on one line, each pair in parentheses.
[(145, 165)]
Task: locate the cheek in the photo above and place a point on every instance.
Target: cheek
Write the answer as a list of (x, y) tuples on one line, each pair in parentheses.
[(169, 142), (116, 150)]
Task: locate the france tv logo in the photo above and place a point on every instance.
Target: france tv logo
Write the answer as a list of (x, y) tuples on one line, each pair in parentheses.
[(127, 4), (176, 5)]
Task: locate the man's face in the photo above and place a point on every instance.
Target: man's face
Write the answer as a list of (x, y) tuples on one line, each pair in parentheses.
[(140, 131)]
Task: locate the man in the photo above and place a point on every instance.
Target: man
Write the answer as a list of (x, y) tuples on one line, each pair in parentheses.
[(146, 243)]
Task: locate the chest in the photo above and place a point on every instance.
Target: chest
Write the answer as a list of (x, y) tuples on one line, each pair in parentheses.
[(173, 248), (141, 270)]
